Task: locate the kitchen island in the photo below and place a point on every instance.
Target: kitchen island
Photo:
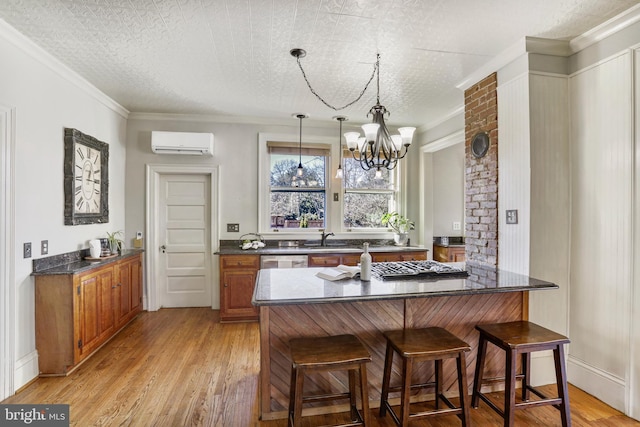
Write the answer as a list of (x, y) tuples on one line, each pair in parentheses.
[(297, 303)]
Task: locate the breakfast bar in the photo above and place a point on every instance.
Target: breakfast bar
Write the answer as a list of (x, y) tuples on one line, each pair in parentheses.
[(296, 303)]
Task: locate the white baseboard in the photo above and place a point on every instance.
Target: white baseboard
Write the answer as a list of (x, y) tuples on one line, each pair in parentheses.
[(604, 386), (26, 369)]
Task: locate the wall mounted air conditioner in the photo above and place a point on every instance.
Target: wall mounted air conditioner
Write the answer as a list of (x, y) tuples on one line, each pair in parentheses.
[(182, 143)]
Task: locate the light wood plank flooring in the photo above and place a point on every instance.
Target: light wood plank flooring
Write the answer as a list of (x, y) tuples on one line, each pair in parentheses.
[(180, 367)]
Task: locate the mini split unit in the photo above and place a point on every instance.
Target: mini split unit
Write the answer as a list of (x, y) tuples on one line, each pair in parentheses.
[(192, 143)]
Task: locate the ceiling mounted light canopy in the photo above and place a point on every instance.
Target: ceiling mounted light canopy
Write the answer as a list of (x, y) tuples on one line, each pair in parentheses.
[(378, 149)]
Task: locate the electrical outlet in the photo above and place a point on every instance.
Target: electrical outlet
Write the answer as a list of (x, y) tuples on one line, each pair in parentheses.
[(233, 228), (512, 216), (44, 247), (26, 250), (456, 225), (139, 235)]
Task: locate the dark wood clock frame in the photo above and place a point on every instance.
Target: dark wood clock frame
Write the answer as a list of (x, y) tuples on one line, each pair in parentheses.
[(71, 217)]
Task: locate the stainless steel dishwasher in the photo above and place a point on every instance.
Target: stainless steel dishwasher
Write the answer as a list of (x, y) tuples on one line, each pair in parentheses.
[(283, 261)]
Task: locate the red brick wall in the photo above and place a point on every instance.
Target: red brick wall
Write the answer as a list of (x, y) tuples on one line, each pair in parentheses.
[(481, 174)]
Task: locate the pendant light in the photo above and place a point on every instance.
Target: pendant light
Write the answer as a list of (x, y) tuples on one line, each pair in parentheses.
[(339, 173), (300, 116), (378, 149)]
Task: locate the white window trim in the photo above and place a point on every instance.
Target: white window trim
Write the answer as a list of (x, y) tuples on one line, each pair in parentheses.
[(333, 221), (264, 169)]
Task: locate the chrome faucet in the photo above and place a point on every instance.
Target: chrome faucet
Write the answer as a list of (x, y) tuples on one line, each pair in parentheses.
[(323, 239)]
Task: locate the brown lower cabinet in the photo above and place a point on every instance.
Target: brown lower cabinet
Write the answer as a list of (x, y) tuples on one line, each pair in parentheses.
[(448, 253), (237, 280), (238, 275), (77, 313)]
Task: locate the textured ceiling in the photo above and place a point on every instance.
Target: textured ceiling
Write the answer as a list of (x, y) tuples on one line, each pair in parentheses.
[(231, 57)]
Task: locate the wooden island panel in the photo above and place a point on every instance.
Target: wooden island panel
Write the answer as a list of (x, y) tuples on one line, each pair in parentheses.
[(368, 320)]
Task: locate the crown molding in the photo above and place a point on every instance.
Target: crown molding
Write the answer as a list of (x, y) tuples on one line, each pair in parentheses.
[(27, 46), (444, 142), (604, 30), (547, 46), (503, 58)]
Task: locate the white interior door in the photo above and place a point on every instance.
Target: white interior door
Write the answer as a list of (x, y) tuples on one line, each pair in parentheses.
[(184, 220)]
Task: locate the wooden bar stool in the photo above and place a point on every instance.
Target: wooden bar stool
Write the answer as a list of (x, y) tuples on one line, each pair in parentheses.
[(522, 338), (333, 353), (419, 345)]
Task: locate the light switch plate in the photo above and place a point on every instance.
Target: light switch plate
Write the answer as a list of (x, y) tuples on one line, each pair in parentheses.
[(233, 228), (512, 216), (26, 250), (44, 247)]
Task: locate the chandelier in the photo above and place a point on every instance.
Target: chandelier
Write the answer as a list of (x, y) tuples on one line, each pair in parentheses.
[(377, 149)]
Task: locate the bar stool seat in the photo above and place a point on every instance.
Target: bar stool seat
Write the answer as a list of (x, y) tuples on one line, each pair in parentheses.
[(419, 345), (522, 338), (332, 353)]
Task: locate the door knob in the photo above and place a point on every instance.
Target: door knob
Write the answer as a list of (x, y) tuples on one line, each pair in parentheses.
[(163, 248)]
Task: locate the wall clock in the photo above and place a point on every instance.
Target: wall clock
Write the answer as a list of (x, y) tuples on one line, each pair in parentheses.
[(480, 144), (86, 179)]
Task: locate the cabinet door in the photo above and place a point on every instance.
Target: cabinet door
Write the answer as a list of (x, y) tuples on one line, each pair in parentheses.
[(457, 254), (440, 254), (96, 314), (122, 294), (237, 291), (135, 272)]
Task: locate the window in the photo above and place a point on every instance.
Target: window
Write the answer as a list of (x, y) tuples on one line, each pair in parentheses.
[(297, 201), (367, 198)]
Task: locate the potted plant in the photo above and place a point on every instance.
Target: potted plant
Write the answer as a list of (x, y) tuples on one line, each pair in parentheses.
[(116, 244), (400, 225)]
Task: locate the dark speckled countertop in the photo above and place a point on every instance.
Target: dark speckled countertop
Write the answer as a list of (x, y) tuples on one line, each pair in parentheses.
[(302, 286), (305, 250), (74, 262)]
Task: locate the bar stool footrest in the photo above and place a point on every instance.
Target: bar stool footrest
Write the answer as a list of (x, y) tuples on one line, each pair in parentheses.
[(325, 397)]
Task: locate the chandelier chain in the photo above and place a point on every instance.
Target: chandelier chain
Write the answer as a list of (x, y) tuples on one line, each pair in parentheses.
[(376, 67)]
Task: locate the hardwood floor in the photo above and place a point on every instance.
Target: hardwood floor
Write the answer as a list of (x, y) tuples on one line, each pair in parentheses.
[(180, 367)]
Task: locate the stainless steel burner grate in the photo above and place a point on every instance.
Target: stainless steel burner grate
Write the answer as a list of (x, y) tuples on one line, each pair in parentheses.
[(415, 269)]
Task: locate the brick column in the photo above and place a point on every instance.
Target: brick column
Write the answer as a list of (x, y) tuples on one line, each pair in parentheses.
[(481, 174)]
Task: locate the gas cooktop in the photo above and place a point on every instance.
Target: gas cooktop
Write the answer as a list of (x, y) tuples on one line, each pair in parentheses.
[(415, 269)]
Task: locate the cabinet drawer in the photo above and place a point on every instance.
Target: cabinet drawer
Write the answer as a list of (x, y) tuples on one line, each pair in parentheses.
[(351, 259), (324, 260), (240, 261)]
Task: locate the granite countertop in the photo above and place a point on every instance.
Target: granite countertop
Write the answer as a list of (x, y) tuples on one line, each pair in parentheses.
[(301, 286), (76, 264), (304, 250)]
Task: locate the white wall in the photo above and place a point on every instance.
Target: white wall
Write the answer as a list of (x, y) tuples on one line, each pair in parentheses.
[(236, 156), (47, 98), (514, 173), (602, 171), (447, 175)]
